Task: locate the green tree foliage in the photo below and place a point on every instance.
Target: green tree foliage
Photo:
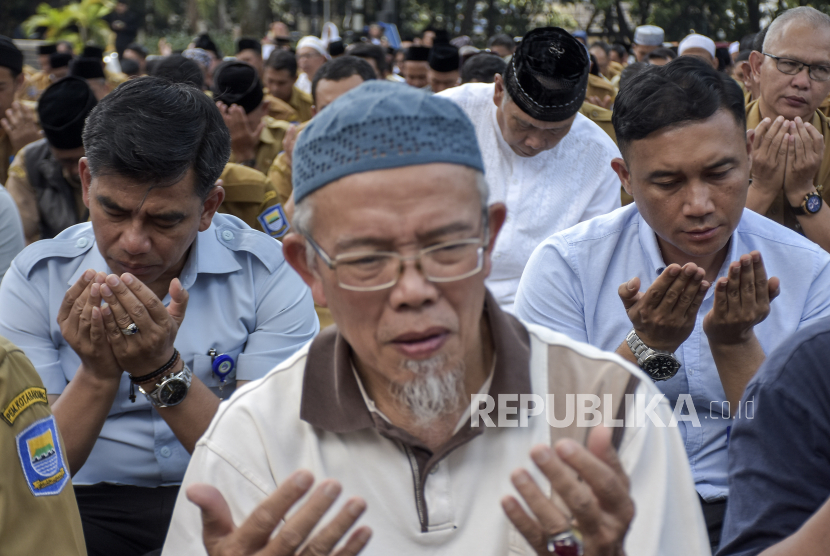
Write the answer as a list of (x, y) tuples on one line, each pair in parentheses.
[(80, 23)]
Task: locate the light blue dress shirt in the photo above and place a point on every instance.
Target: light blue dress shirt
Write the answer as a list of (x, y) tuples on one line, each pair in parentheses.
[(245, 301), (12, 240), (570, 285)]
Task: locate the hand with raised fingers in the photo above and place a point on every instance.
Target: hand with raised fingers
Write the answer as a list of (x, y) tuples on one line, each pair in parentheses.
[(131, 304), (665, 314), (594, 488), (82, 326), (19, 124), (294, 535), (805, 151), (742, 300), (244, 139), (769, 154)]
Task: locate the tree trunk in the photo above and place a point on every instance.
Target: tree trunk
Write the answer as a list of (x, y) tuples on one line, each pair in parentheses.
[(192, 16), (492, 15), (625, 30), (467, 22), (754, 13), (255, 19)]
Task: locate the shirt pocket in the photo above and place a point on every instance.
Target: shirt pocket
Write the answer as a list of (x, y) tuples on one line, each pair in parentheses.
[(203, 368)]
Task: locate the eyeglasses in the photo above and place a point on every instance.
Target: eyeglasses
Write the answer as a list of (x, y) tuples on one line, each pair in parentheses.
[(792, 67), (368, 271)]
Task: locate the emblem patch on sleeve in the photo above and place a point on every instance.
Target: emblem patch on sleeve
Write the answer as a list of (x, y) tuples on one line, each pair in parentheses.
[(273, 221), (41, 456)]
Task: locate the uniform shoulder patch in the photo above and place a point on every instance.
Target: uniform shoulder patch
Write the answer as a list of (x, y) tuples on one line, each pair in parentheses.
[(22, 402), (41, 457), (274, 222)]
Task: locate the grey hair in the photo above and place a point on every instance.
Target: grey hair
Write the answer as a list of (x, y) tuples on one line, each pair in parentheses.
[(804, 13), (304, 214)]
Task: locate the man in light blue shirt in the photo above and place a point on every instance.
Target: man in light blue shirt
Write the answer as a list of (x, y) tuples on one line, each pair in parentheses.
[(157, 285), (694, 251), (12, 241)]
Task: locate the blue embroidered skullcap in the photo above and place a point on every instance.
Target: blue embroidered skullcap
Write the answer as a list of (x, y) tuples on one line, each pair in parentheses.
[(377, 126)]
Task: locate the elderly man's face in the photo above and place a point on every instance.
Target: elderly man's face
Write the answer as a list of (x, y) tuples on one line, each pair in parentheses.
[(401, 210), (309, 61), (690, 183), (525, 135), (792, 95)]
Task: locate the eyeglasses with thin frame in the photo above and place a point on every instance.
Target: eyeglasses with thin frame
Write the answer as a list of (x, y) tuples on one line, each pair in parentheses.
[(369, 271), (817, 72)]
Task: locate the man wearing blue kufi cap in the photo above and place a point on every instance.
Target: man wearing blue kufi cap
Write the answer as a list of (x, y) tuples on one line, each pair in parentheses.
[(394, 234)]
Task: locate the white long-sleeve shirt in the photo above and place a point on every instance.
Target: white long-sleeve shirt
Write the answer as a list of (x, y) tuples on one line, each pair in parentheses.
[(552, 191)]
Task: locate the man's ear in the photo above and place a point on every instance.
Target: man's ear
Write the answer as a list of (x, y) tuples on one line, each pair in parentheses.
[(294, 248), (755, 61), (86, 178), (496, 215), (619, 166), (498, 92), (211, 205)]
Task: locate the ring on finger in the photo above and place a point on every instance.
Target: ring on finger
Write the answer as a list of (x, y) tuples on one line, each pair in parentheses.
[(131, 329), (566, 543)]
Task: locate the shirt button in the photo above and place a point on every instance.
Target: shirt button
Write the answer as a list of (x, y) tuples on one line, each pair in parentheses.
[(165, 452), (81, 243), (227, 235)]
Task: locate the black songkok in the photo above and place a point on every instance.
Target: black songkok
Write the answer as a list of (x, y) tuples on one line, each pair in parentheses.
[(417, 54), (336, 48), (548, 75), (237, 83), (59, 60), (443, 58), (248, 44), (87, 68), (62, 109), (92, 51), (47, 49), (10, 55), (205, 43)]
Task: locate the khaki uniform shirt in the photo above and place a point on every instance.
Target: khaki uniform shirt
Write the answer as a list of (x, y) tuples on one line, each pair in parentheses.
[(614, 70), (297, 109), (248, 194), (779, 210), (279, 176), (6, 155), (25, 197), (38, 511), (34, 86), (600, 87), (824, 107), (270, 144)]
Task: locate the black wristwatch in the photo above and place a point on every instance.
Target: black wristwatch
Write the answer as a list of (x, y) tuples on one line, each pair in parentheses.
[(658, 364), (810, 205), (171, 389)]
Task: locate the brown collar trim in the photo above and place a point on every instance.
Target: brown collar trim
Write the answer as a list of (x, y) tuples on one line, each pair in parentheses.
[(331, 398)]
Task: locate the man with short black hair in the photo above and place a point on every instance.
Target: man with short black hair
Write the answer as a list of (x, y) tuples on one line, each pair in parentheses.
[(660, 56), (16, 119), (179, 69), (256, 137), (44, 179), (250, 51), (547, 162), (287, 102), (153, 242), (374, 54), (138, 54), (502, 45), (482, 68), (682, 280)]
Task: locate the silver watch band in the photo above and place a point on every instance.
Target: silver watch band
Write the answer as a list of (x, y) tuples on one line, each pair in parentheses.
[(153, 397)]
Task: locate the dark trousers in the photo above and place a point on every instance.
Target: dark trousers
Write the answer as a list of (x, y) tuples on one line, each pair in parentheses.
[(713, 513), (125, 520)]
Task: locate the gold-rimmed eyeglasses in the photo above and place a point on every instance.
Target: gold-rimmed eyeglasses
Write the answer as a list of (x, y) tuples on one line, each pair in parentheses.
[(368, 271)]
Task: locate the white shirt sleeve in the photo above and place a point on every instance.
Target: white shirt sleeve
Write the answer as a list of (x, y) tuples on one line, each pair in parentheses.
[(668, 517)]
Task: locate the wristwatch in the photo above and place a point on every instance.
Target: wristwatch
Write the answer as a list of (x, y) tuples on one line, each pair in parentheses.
[(171, 389), (659, 364), (810, 205)]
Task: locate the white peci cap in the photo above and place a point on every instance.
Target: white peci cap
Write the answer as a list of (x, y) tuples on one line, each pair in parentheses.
[(697, 41)]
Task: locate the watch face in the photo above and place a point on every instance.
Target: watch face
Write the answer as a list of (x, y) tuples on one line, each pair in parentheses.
[(172, 391), (813, 204), (661, 367)]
